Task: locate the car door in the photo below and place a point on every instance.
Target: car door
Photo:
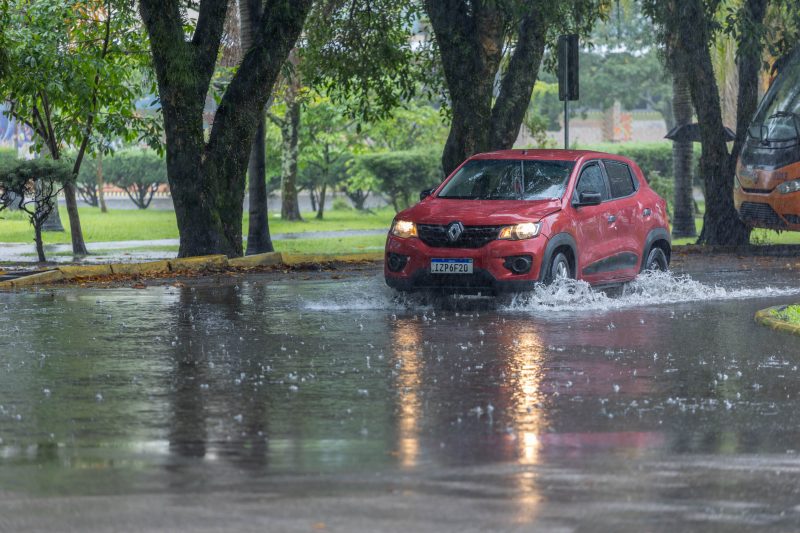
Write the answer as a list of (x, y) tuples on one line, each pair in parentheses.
[(592, 234), (626, 228)]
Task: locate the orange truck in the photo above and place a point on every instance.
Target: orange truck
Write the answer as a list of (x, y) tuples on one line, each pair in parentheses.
[(767, 187)]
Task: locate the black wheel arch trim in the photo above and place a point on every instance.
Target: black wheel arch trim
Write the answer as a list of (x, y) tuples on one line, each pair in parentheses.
[(557, 241), (657, 234)]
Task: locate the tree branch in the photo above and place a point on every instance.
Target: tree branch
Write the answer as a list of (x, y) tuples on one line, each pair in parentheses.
[(519, 79), (208, 34)]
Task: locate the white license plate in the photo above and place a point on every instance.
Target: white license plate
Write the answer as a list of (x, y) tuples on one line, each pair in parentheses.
[(451, 266)]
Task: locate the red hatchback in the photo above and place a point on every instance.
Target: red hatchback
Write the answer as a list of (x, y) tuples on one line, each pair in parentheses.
[(505, 221)]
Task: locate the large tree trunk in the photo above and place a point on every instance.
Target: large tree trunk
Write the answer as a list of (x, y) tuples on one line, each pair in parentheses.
[(207, 179), (471, 43), (683, 207), (290, 207), (721, 224), (322, 192), (258, 237)]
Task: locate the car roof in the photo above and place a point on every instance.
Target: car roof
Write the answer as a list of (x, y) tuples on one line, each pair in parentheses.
[(552, 155)]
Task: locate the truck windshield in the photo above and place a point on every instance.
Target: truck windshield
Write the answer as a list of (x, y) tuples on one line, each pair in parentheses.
[(778, 119), (509, 179)]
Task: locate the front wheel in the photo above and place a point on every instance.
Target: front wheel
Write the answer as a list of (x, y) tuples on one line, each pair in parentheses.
[(559, 269), (656, 261)]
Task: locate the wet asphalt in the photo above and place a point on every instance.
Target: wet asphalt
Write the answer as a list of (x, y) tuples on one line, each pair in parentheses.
[(251, 404)]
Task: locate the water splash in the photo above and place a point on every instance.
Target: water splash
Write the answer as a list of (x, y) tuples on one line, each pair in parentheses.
[(652, 288)]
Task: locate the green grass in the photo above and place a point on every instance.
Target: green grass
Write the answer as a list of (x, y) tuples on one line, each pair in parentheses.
[(791, 314), (151, 225), (757, 236)]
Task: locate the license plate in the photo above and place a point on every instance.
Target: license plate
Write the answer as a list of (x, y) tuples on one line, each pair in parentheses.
[(451, 266)]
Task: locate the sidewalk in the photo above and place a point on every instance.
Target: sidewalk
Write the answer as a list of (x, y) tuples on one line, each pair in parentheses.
[(136, 251)]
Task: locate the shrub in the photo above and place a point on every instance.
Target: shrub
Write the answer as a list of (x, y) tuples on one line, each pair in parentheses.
[(340, 204), (32, 186), (401, 175)]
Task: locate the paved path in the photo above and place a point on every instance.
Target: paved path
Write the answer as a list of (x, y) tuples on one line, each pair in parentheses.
[(142, 250)]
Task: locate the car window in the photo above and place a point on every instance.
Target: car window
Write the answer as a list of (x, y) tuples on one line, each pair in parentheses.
[(620, 179), (508, 179), (592, 180)]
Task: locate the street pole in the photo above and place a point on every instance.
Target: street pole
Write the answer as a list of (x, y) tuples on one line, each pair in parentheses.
[(566, 100)]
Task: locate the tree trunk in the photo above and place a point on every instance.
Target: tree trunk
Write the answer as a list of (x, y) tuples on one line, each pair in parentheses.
[(258, 237), (290, 207), (259, 240), (76, 233), (101, 183), (53, 220), (321, 209), (471, 44), (721, 224), (207, 179), (683, 207), (37, 231)]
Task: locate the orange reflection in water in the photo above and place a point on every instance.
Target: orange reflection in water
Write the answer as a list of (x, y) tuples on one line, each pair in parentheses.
[(407, 343), (525, 370)]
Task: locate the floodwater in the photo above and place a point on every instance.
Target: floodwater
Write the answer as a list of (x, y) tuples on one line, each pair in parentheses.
[(249, 405)]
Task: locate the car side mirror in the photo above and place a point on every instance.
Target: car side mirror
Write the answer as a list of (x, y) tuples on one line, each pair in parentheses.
[(427, 192), (589, 198)]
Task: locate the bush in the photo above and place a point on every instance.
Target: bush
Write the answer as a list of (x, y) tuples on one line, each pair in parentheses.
[(400, 176), (7, 154), (664, 187), (340, 204)]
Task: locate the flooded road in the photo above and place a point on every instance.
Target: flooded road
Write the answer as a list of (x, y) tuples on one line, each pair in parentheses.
[(336, 406)]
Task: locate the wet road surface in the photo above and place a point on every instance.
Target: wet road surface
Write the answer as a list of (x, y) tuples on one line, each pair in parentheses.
[(251, 405)]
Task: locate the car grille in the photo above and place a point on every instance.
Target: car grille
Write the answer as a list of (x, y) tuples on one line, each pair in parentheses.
[(471, 237), (756, 191), (761, 214)]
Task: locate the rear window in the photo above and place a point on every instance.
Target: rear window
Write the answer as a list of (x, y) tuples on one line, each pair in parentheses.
[(620, 179)]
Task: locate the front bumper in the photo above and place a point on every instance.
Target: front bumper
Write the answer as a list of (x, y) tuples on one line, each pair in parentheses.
[(490, 273), (771, 210)]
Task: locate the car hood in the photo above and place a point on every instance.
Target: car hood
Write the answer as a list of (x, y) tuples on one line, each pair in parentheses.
[(479, 212)]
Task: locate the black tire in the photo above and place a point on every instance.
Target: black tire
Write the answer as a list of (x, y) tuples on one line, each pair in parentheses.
[(656, 261), (559, 269)]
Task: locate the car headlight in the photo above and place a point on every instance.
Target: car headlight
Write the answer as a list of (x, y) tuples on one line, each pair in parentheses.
[(404, 229), (789, 187), (518, 232)]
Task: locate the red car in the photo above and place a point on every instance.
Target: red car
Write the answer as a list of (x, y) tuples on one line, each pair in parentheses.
[(507, 220)]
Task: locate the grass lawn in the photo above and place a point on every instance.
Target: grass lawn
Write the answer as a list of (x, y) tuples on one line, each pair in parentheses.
[(150, 225), (758, 236)]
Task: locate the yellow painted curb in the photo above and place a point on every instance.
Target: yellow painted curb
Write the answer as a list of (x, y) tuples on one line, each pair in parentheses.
[(85, 271), (203, 262), (132, 269), (305, 259), (267, 259), (41, 278), (765, 317)]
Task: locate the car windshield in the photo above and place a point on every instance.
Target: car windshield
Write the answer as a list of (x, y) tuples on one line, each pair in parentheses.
[(777, 118), (509, 179)]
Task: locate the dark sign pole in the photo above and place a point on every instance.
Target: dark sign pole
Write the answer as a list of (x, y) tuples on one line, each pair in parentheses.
[(567, 76)]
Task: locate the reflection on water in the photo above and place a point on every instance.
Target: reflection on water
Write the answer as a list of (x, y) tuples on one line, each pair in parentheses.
[(118, 390), (407, 345)]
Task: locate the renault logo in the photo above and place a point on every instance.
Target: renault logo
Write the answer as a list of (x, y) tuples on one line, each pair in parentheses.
[(454, 231)]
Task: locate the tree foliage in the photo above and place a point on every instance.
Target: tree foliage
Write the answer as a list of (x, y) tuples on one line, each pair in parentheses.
[(401, 175), (33, 186)]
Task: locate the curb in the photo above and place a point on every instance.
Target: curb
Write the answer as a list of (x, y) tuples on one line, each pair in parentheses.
[(207, 263), (766, 317)]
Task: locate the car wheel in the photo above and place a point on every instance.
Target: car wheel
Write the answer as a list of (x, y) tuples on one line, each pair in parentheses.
[(656, 260), (559, 268)]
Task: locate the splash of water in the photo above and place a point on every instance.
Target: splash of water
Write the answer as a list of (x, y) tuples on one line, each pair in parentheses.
[(652, 288)]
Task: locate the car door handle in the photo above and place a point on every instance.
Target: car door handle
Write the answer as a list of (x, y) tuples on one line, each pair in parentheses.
[(647, 212), (612, 219)]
